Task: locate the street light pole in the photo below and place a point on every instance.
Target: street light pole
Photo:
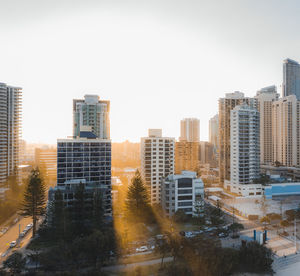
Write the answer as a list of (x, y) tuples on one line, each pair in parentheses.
[(295, 234)]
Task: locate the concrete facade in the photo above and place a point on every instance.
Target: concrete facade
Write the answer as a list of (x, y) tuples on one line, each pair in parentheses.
[(91, 112), (265, 98), (157, 161), (182, 192), (225, 106), (286, 131), (10, 132), (245, 148), (186, 156), (189, 130)]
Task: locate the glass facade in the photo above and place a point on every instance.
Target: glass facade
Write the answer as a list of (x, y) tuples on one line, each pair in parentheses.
[(79, 159)]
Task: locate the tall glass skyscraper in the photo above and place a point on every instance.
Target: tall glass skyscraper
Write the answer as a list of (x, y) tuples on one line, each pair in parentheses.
[(291, 78)]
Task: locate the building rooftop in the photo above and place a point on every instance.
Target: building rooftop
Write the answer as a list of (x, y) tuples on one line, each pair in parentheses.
[(235, 95), (288, 60), (91, 99), (155, 132)]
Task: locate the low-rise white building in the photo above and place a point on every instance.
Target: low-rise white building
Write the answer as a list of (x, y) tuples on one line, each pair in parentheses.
[(182, 192), (244, 190)]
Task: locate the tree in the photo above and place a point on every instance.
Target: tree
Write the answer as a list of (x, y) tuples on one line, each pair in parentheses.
[(265, 220), (264, 205), (291, 214), (59, 218), (284, 223), (34, 256), (137, 201), (277, 163), (79, 210), (98, 247), (97, 210), (180, 216), (162, 247), (219, 206), (255, 258), (274, 216), (235, 228), (15, 263), (34, 201), (175, 244), (262, 179)]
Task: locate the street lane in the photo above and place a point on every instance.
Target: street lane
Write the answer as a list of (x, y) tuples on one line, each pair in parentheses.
[(12, 235)]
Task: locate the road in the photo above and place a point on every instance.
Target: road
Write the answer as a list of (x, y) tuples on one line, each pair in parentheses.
[(12, 234), (133, 265)]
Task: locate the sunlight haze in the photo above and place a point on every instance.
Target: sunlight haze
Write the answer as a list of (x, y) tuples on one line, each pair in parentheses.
[(156, 61)]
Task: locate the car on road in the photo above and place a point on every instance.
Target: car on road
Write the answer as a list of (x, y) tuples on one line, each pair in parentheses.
[(12, 244), (143, 248), (29, 226), (3, 230), (23, 233)]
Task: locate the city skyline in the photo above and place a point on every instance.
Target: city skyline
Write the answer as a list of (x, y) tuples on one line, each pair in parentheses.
[(114, 51)]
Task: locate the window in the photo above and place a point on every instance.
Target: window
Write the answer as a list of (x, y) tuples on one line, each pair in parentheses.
[(185, 183), (187, 191), (185, 197), (188, 203)]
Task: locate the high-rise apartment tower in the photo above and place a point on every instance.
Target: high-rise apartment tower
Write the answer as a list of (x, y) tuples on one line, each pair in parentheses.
[(10, 131), (94, 113), (157, 161), (214, 131), (265, 98), (225, 106), (291, 78), (189, 130), (286, 131), (245, 154), (186, 156)]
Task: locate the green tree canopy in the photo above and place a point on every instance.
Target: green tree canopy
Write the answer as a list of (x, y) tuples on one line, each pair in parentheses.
[(15, 263), (137, 202), (256, 258), (34, 201)]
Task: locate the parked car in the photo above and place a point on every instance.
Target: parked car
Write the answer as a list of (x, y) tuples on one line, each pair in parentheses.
[(198, 232), (12, 244), (23, 233), (223, 235), (4, 230), (29, 226), (143, 248)]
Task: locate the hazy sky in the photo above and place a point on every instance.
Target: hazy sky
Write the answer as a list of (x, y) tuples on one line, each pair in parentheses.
[(157, 61)]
